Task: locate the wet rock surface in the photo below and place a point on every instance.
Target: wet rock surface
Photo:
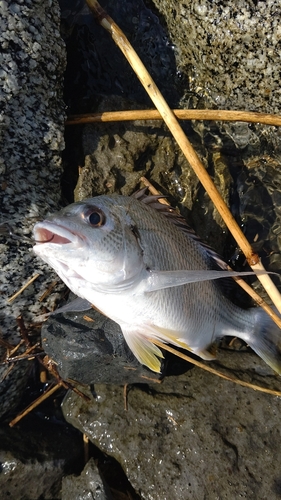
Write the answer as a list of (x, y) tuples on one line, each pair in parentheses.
[(193, 436), (35, 457), (116, 156), (89, 484), (91, 349)]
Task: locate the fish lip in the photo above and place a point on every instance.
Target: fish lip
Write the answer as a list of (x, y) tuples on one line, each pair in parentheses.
[(53, 233)]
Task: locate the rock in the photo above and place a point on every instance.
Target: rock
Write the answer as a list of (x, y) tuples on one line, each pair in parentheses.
[(91, 349), (193, 436), (35, 457), (89, 484), (228, 50), (96, 66), (31, 134), (116, 156)]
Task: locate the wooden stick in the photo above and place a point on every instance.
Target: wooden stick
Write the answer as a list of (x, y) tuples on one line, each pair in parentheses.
[(35, 403), (23, 287), (48, 291), (183, 114), (186, 147), (215, 372)]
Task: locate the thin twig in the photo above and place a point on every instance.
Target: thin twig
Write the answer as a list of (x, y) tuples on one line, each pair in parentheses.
[(183, 114), (16, 348), (35, 403), (24, 287), (28, 354), (125, 396), (153, 190), (213, 371), (48, 291), (6, 373), (23, 330), (186, 147)]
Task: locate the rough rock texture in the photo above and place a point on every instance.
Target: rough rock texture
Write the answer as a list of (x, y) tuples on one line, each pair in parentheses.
[(34, 457), (96, 66), (118, 155), (193, 436), (91, 348), (89, 484), (228, 50), (196, 436), (31, 134)]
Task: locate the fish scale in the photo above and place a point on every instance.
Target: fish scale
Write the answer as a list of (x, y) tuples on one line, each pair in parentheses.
[(142, 267)]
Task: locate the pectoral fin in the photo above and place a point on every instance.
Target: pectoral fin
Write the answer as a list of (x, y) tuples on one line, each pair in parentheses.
[(158, 280), (75, 305)]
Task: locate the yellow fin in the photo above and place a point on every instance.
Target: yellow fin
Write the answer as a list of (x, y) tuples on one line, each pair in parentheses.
[(172, 337), (145, 351), (168, 336)]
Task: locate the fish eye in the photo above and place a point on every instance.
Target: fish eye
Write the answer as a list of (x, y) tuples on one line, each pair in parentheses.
[(95, 217)]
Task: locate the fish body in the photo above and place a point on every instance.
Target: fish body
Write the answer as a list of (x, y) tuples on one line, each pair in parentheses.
[(138, 264)]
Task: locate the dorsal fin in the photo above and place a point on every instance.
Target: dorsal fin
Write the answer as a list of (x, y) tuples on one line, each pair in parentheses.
[(178, 220)]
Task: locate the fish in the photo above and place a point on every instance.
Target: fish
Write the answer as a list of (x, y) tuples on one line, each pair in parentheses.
[(140, 264)]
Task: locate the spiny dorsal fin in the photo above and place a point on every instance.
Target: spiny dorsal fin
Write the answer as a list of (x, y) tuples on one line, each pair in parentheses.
[(178, 220)]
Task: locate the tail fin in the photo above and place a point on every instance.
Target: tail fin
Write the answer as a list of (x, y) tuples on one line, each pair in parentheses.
[(266, 339)]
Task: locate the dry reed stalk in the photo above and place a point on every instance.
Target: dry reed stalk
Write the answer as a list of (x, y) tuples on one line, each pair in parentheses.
[(186, 147), (215, 372), (24, 287), (182, 114)]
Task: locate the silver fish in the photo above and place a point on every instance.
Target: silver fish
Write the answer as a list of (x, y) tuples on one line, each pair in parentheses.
[(138, 263)]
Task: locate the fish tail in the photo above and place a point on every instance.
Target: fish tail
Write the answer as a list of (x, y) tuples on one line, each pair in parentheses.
[(265, 340)]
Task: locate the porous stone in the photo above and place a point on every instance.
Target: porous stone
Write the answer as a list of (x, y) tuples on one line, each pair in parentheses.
[(31, 133), (35, 457), (193, 436), (89, 484), (228, 50)]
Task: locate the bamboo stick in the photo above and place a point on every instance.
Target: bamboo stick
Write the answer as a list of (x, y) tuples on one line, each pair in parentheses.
[(182, 114), (186, 147)]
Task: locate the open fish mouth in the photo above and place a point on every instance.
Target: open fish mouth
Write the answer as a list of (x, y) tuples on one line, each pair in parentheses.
[(47, 232)]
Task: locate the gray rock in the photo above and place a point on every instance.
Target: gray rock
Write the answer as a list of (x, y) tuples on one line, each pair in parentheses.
[(228, 50), (31, 134), (193, 436), (35, 457), (97, 68), (91, 350), (89, 485), (118, 155)]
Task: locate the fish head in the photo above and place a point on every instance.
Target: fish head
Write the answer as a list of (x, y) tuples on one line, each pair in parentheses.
[(94, 241)]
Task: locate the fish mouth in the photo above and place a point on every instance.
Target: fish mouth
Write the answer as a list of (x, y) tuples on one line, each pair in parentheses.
[(48, 232)]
